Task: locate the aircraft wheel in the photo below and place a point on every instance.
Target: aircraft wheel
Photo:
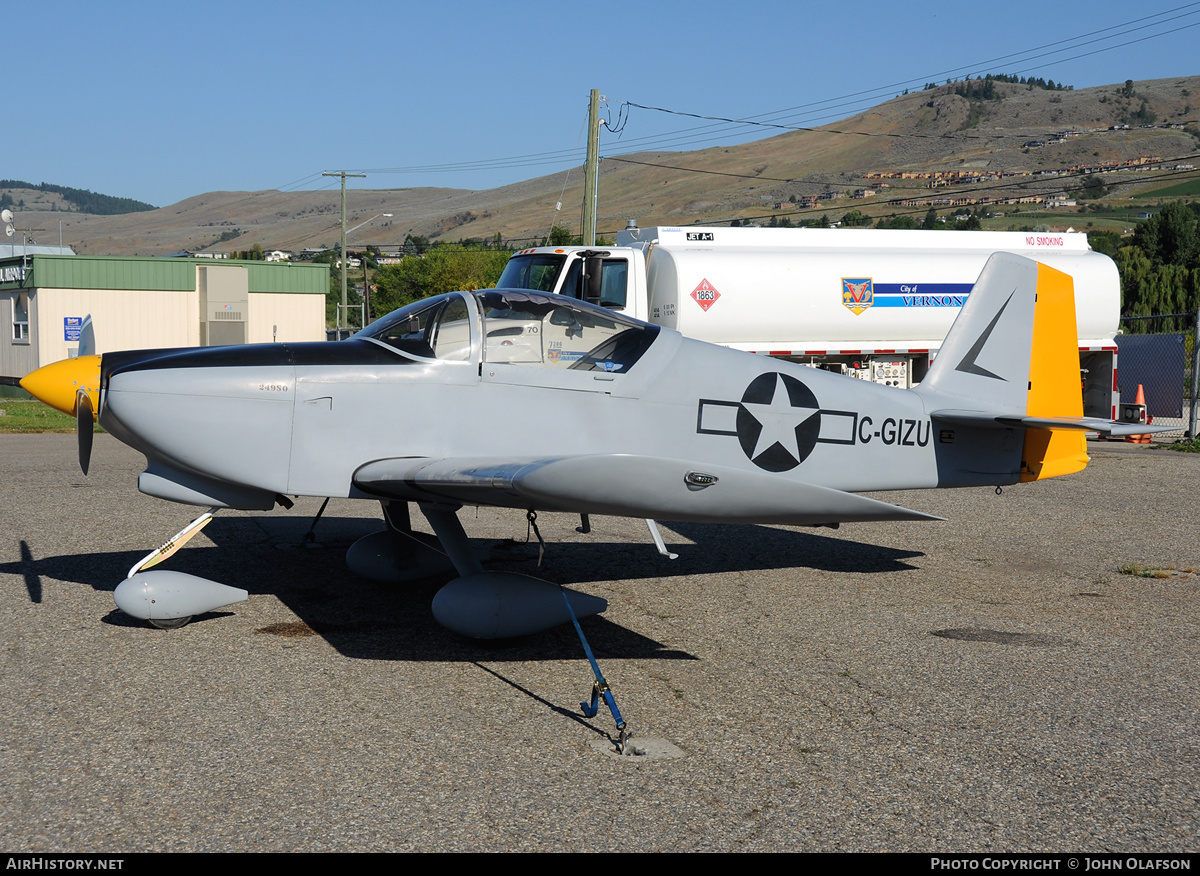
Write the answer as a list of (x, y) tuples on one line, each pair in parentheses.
[(169, 623)]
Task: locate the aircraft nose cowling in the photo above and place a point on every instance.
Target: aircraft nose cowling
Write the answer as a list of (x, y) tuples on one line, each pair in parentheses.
[(225, 412)]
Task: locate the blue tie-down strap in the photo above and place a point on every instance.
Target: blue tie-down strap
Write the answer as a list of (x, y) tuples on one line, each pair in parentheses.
[(590, 710), (599, 686)]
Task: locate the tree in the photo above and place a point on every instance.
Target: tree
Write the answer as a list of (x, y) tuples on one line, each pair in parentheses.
[(1160, 270), (900, 222), (1107, 242), (1091, 187), (415, 244), (560, 235), (441, 269), (1172, 236), (930, 219)]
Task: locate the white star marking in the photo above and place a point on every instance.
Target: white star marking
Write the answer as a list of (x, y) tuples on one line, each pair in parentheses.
[(779, 421)]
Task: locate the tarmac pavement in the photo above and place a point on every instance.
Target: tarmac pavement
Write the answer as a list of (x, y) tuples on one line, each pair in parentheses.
[(989, 683)]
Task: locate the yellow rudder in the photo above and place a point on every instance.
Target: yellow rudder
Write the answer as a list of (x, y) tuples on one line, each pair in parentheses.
[(1054, 385)]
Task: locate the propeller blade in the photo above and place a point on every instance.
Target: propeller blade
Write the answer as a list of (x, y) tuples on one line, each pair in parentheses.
[(83, 428), (87, 337)]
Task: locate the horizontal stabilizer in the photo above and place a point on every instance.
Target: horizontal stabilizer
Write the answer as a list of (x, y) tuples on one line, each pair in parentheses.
[(625, 486), (1110, 428)]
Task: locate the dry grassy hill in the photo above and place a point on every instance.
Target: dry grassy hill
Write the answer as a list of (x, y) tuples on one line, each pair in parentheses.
[(927, 130)]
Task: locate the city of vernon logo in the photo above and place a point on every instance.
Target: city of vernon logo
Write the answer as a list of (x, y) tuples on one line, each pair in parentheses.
[(858, 293)]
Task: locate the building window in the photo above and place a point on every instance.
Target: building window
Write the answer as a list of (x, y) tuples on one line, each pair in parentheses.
[(21, 317)]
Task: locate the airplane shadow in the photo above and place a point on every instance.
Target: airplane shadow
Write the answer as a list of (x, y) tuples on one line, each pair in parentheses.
[(715, 548), (367, 620), (361, 619)]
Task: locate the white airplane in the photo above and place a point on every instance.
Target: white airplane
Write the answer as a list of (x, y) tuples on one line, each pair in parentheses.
[(543, 403)]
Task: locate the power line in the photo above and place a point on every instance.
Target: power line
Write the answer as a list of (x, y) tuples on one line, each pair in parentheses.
[(696, 170), (807, 179), (954, 192), (965, 70), (841, 102), (722, 128), (945, 193)]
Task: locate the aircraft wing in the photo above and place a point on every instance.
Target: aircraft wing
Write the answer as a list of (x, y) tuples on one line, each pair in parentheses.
[(623, 485)]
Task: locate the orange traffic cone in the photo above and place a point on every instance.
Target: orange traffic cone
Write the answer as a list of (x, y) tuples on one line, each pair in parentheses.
[(1140, 401)]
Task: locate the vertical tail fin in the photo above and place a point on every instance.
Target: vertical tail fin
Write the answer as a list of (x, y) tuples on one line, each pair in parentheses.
[(1011, 359)]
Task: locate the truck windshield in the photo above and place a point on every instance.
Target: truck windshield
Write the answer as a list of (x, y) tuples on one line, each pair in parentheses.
[(538, 272)]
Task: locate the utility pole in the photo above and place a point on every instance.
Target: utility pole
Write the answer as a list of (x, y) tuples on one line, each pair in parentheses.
[(1195, 378), (591, 170), (345, 262)]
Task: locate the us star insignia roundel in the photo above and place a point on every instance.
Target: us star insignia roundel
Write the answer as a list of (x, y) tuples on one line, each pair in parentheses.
[(778, 421), (858, 293)]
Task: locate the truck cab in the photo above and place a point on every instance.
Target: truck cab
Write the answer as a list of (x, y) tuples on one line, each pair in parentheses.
[(567, 270)]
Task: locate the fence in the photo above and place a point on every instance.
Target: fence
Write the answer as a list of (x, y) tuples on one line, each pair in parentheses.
[(1161, 354)]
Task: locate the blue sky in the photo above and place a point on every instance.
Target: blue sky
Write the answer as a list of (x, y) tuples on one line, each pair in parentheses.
[(162, 101)]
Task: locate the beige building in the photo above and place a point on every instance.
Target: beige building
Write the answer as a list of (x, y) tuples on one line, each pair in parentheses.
[(146, 303)]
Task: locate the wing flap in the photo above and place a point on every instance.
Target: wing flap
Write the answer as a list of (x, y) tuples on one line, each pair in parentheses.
[(626, 486)]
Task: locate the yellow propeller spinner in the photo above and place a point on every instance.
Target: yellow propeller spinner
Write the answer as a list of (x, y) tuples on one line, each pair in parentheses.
[(60, 383)]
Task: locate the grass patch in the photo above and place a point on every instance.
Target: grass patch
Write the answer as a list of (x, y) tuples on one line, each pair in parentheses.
[(1192, 445), (30, 415), (1140, 571), (1183, 189)]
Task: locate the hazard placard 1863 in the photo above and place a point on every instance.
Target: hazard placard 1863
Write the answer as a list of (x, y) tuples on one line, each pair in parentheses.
[(705, 295)]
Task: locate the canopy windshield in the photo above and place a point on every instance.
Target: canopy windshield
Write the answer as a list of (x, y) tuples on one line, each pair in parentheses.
[(554, 331)]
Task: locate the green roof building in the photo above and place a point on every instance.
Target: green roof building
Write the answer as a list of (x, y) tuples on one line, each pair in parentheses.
[(145, 303)]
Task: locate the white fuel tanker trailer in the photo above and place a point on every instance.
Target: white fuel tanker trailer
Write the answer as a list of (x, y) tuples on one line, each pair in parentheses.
[(874, 304)]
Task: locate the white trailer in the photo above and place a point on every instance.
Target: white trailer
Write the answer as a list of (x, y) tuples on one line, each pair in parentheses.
[(874, 304)]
